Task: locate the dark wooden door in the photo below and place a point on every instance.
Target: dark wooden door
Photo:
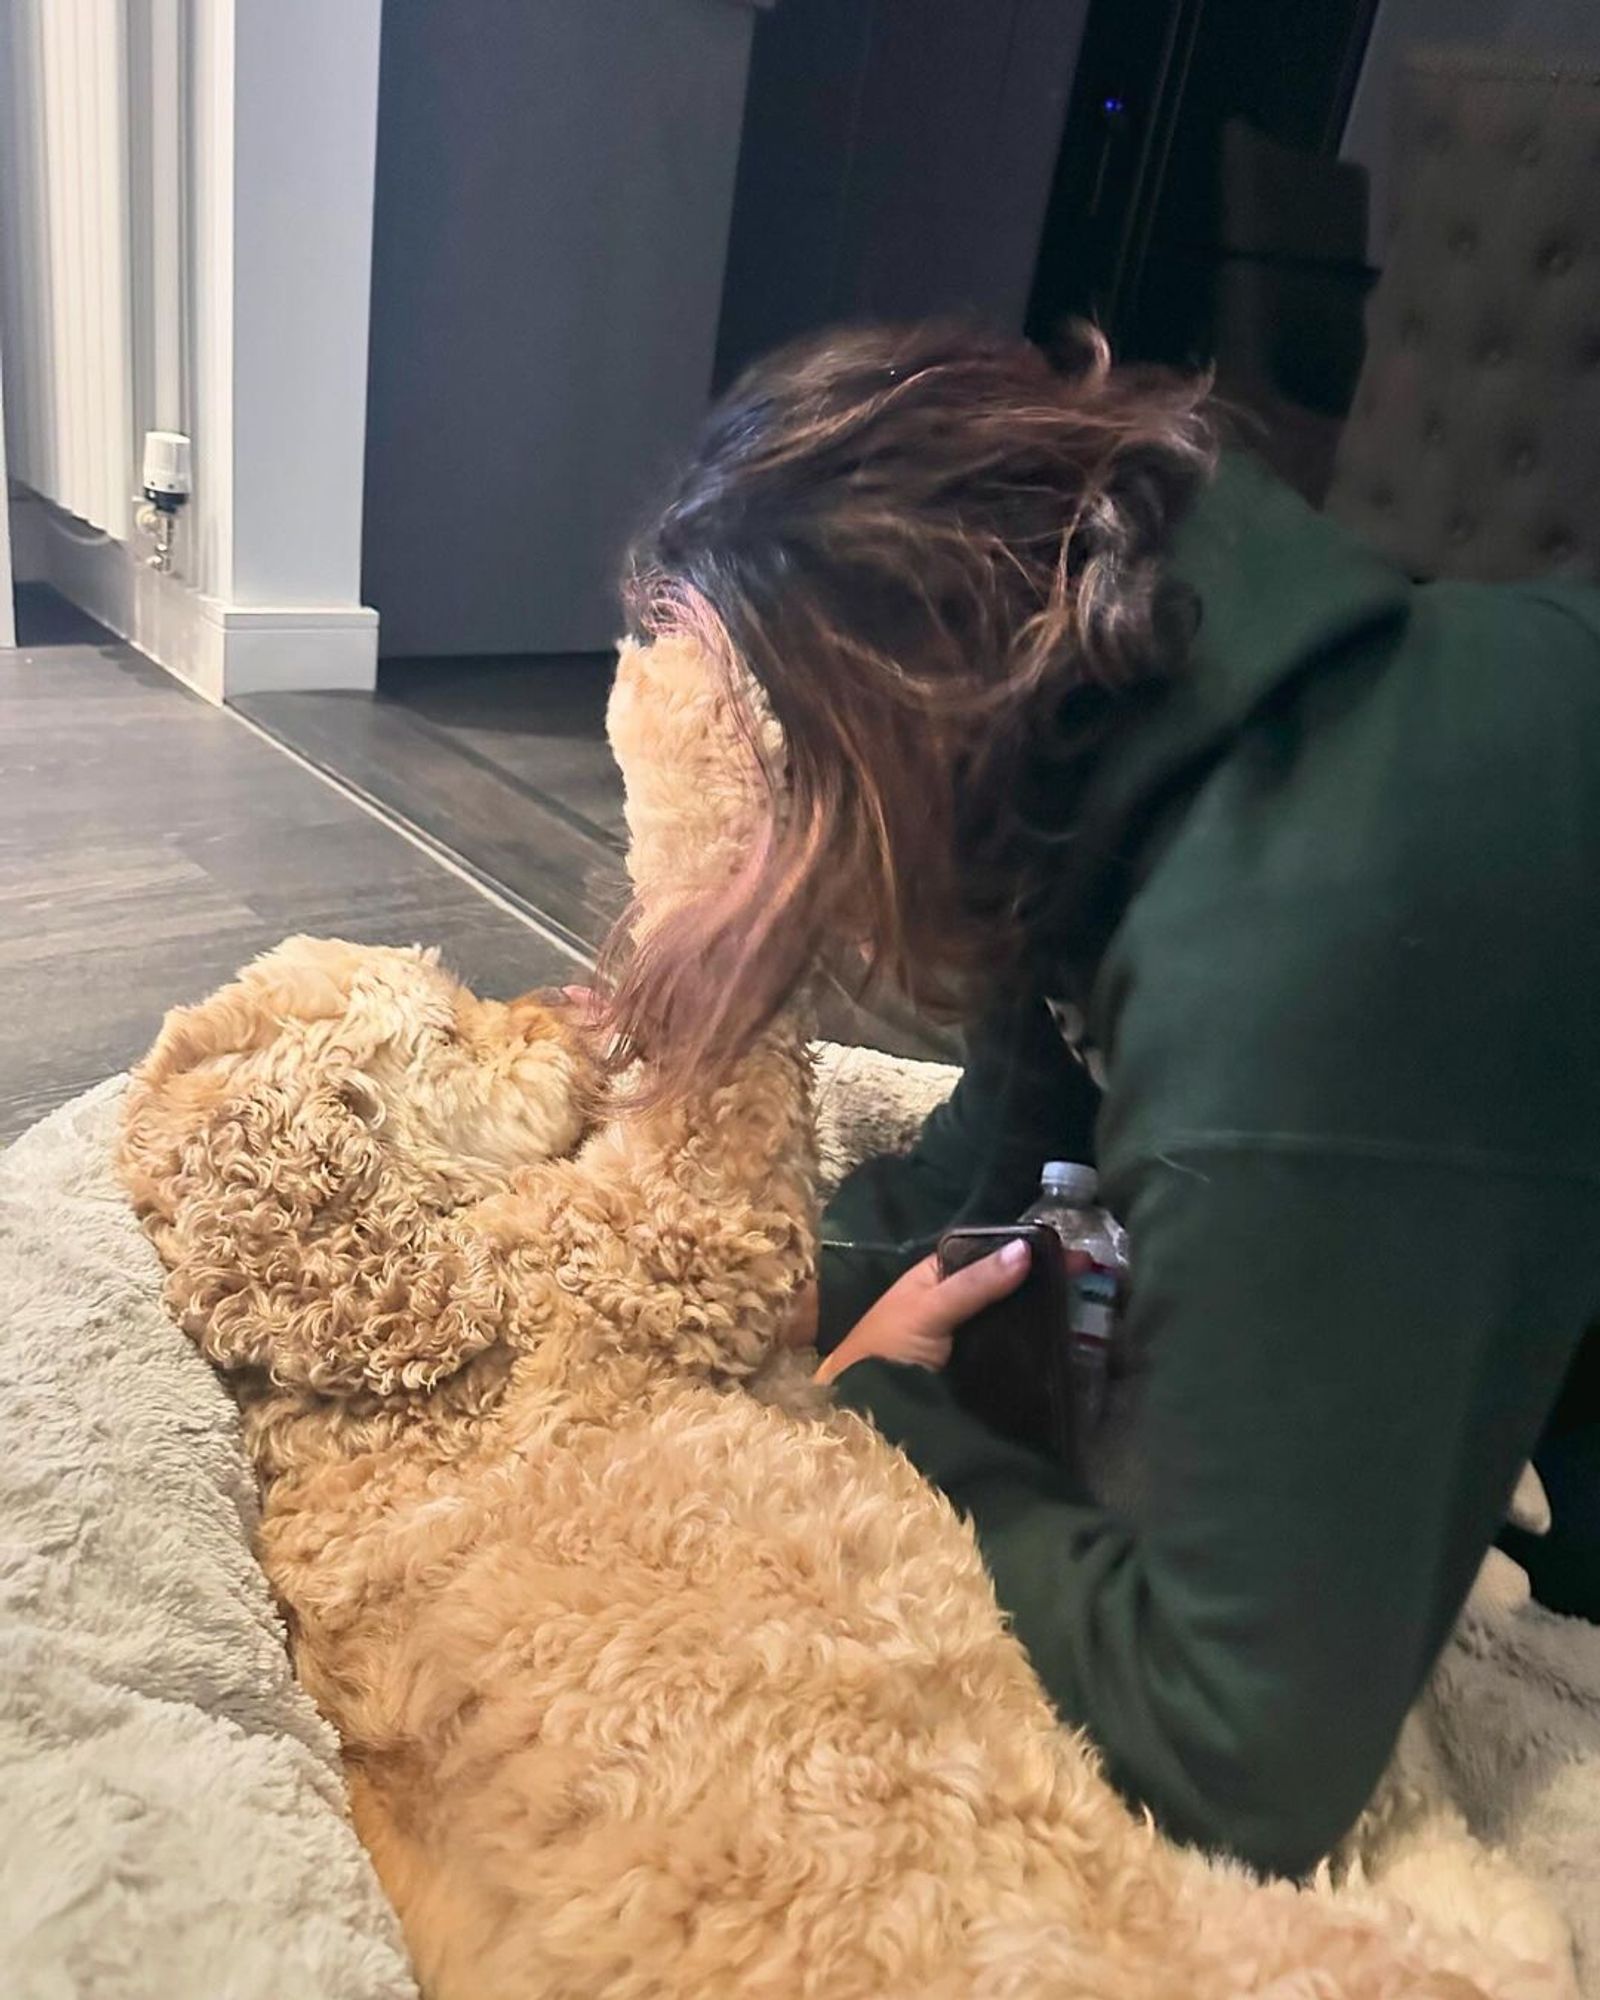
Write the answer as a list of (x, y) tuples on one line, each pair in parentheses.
[(1131, 226)]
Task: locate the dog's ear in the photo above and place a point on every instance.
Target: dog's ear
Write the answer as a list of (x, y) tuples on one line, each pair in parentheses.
[(201, 1052), (297, 1247), (697, 778)]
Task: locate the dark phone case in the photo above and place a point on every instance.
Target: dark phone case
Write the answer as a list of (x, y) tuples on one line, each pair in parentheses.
[(1010, 1364)]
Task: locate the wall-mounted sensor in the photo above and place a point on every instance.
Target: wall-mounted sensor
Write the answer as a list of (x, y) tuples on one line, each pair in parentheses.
[(166, 468), (166, 488)]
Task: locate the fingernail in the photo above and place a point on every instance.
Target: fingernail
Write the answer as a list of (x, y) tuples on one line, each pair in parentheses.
[(1014, 1254)]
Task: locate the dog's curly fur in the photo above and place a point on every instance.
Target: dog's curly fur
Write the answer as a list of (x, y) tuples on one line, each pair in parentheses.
[(648, 1685)]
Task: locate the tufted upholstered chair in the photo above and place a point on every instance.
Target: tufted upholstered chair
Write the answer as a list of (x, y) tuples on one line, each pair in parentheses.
[(1473, 447)]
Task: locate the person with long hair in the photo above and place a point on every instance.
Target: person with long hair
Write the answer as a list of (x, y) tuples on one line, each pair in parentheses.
[(1259, 874)]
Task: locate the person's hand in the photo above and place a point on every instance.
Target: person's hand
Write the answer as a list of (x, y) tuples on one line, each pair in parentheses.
[(916, 1318)]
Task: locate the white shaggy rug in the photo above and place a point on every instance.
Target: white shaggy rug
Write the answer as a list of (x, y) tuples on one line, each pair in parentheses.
[(172, 1821), (172, 1818)]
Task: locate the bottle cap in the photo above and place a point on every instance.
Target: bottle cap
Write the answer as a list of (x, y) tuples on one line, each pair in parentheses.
[(1070, 1179)]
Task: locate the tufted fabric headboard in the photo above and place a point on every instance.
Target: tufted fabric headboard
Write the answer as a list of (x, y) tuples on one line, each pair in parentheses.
[(1473, 448)]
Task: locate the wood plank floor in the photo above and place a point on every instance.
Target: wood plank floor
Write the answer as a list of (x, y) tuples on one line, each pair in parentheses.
[(535, 811), (504, 764), (150, 843), (540, 720)]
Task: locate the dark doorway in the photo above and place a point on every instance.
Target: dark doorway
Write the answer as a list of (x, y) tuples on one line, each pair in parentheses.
[(1201, 215), (1133, 229)]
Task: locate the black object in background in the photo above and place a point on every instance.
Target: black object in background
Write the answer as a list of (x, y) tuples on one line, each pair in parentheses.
[(1133, 228), (1011, 1364)]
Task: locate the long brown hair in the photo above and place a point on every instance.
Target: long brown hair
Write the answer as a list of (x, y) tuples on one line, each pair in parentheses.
[(932, 551)]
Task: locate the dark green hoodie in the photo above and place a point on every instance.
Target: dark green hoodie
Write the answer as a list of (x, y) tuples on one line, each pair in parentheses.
[(1347, 1016)]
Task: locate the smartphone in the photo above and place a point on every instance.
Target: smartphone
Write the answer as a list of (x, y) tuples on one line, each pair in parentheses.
[(1011, 1364)]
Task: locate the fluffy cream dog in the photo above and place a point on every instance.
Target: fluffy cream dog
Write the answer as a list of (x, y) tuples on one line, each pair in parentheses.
[(648, 1685)]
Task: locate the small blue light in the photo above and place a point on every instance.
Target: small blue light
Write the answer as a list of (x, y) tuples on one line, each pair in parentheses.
[(1113, 105)]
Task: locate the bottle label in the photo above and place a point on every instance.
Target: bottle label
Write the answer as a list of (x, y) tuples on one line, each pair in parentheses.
[(1093, 1304)]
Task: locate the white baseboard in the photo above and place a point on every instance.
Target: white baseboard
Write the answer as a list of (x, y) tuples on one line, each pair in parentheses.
[(221, 650), (264, 648)]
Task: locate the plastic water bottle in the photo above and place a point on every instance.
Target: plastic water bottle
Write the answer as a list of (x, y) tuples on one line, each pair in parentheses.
[(1097, 1270)]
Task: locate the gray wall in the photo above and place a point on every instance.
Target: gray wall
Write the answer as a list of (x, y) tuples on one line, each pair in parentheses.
[(897, 160), (554, 185), (1566, 31)]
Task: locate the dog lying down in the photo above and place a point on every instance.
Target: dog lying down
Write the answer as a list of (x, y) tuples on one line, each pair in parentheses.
[(654, 1675)]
